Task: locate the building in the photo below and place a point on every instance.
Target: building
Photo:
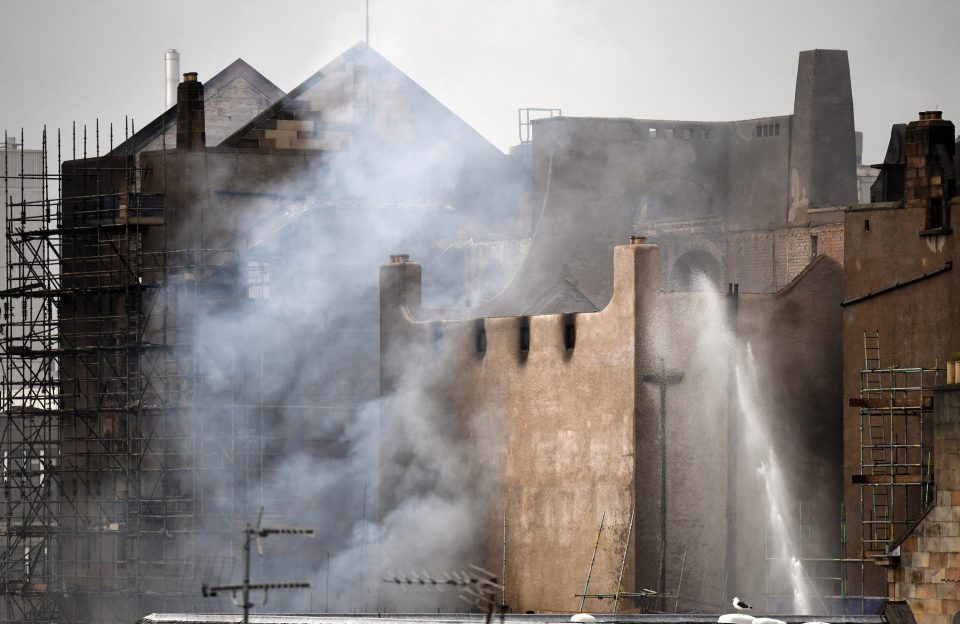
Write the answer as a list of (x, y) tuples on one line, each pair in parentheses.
[(159, 416), (748, 202), (203, 308), (900, 297), (751, 202), (578, 431)]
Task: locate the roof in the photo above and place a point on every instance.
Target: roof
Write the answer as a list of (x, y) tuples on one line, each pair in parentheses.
[(320, 113), (237, 69)]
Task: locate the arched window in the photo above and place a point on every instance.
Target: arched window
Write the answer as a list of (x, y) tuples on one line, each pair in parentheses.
[(689, 268)]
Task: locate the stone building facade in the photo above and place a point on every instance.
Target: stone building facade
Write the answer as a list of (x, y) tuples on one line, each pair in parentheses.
[(925, 561), (900, 286), (577, 432), (744, 201)]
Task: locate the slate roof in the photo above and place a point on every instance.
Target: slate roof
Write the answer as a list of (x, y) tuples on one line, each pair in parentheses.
[(237, 69)]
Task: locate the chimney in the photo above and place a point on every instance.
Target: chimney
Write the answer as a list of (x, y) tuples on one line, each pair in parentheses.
[(171, 64), (929, 177), (191, 136)]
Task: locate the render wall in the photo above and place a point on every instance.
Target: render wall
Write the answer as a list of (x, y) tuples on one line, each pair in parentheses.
[(581, 428), (758, 171), (565, 425), (823, 140)]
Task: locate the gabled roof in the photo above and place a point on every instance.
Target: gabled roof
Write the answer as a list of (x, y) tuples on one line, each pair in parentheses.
[(314, 114), (235, 70)]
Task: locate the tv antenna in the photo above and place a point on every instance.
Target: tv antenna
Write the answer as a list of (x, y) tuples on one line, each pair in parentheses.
[(478, 587), (256, 533)]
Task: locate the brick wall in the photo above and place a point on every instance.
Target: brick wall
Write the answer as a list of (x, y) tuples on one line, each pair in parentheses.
[(767, 260)]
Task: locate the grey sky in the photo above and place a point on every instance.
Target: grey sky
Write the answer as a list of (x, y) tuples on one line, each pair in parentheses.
[(698, 60)]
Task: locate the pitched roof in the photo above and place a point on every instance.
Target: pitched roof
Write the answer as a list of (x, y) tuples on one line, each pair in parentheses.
[(321, 112), (235, 70)]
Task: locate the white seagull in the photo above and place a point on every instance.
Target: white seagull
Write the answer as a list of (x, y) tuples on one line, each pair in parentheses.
[(740, 605)]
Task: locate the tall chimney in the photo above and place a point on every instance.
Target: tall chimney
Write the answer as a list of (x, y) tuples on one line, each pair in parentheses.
[(191, 136), (171, 63), (929, 177)]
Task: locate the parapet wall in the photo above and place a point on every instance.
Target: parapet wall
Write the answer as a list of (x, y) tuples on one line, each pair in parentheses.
[(571, 426), (559, 390)]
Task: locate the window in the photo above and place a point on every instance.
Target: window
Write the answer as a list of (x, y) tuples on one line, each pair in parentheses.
[(437, 338), (705, 134), (767, 130), (866, 225), (569, 332), (935, 218), (813, 246), (524, 336), (258, 280), (481, 339), (652, 133)]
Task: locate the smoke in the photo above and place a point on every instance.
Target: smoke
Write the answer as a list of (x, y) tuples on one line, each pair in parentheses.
[(289, 413), (691, 331)]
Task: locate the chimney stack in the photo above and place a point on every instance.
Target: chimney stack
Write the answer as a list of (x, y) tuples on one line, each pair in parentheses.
[(191, 135), (929, 176), (171, 64)]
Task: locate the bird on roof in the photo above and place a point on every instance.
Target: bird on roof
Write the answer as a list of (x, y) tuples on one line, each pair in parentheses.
[(740, 605)]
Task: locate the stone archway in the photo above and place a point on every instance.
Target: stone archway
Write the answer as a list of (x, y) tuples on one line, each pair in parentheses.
[(688, 268)]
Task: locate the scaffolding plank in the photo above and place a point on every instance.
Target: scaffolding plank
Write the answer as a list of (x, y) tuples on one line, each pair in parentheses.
[(886, 479), (925, 402)]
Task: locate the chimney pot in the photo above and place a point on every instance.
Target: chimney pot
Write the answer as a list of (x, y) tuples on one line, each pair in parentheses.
[(190, 77), (637, 239), (399, 258)]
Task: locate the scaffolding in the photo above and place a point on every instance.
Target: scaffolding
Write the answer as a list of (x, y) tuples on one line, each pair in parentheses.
[(896, 451), (895, 457), (102, 448), (829, 577)]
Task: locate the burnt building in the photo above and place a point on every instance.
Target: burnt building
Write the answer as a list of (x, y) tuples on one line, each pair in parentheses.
[(157, 412), (564, 360), (749, 202), (203, 306)]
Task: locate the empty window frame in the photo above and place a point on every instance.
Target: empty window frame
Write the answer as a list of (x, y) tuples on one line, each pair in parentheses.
[(524, 337), (767, 130), (436, 339), (937, 217), (569, 332), (481, 339)]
